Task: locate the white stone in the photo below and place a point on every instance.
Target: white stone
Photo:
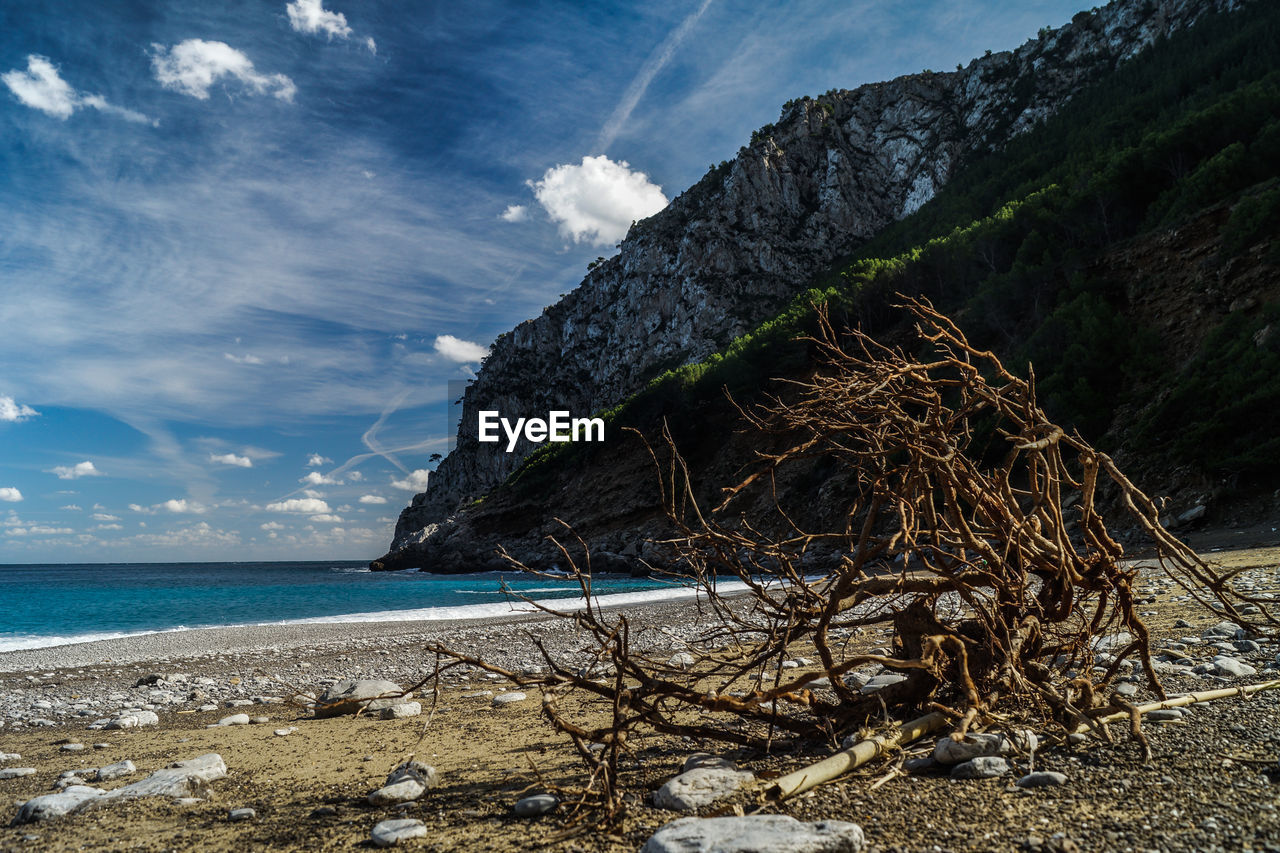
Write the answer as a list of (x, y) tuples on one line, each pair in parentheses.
[(401, 710), (405, 791), (508, 698), (756, 834), (700, 787), (233, 720)]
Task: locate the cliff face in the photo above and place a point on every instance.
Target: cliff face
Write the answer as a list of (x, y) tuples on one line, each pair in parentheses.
[(731, 251)]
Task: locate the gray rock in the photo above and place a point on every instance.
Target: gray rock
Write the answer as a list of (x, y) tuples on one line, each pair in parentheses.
[(114, 771), (508, 698), (982, 767), (700, 787), (9, 756), (391, 832), (682, 660), (350, 696), (1163, 715), (975, 744), (1229, 666), (404, 791), (401, 710), (241, 814), (1127, 689), (880, 682), (1042, 779), (52, 806), (706, 759), (16, 772), (756, 834), (286, 731), (535, 805), (233, 720), (71, 747), (180, 779)]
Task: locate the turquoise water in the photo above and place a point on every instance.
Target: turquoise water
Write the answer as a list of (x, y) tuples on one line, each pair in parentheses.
[(43, 605)]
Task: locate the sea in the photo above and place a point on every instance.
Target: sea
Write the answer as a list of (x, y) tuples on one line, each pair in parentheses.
[(57, 604)]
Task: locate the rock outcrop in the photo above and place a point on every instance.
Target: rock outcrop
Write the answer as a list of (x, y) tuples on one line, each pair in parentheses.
[(734, 248)]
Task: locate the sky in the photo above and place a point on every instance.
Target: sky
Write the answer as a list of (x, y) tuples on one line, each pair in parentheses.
[(245, 246)]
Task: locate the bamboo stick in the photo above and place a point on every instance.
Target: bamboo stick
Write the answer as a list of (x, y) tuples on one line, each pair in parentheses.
[(855, 756), (1189, 699)]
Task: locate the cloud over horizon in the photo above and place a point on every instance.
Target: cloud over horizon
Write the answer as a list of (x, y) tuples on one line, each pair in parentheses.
[(597, 200)]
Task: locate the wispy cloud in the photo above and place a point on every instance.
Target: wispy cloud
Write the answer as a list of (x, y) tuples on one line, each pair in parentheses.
[(75, 472), (597, 200), (300, 505), (193, 66), (42, 88), (12, 412), (640, 83)]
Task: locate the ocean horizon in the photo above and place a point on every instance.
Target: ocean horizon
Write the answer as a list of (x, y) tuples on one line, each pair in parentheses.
[(51, 604)]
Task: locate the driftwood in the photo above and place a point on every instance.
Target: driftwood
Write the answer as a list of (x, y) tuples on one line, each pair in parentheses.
[(969, 528)]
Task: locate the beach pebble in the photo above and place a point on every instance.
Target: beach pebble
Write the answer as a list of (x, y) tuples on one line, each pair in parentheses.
[(975, 744), (133, 719), (114, 771), (15, 772), (71, 747), (350, 696), (9, 756), (982, 767), (391, 832), (1126, 689), (681, 660), (757, 834), (700, 787), (476, 694), (1163, 715), (508, 698), (286, 732), (233, 720), (241, 814), (535, 805), (1225, 665), (1042, 779), (404, 791), (402, 710)]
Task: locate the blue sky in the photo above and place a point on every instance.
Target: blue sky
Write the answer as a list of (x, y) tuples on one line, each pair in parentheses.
[(246, 245)]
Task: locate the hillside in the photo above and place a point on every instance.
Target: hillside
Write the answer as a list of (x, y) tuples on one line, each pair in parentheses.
[(1123, 244)]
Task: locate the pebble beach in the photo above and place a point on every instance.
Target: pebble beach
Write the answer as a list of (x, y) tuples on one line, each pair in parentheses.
[(289, 781)]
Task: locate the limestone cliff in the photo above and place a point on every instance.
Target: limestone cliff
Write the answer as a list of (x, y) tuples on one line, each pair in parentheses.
[(731, 250)]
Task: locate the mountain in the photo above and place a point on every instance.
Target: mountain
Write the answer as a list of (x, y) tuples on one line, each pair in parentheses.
[(836, 174)]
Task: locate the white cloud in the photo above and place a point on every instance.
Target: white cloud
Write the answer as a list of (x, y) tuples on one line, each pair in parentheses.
[(597, 200), (415, 482), (39, 531), (327, 518), (315, 478), (194, 65), (313, 493), (307, 505), (242, 359), (355, 476), (372, 45), (372, 499), (315, 460), (102, 516), (231, 459), (272, 525), (12, 412), (310, 16), (514, 213), (456, 349), (72, 507), (107, 527), (75, 472), (42, 88), (181, 506), (10, 494)]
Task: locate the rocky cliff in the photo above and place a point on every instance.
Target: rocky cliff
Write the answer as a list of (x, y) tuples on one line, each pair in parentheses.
[(730, 251)]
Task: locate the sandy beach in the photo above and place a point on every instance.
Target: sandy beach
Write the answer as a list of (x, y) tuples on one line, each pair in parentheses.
[(1209, 788)]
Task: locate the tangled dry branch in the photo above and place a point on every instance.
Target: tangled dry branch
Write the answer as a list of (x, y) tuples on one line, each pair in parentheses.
[(971, 534)]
